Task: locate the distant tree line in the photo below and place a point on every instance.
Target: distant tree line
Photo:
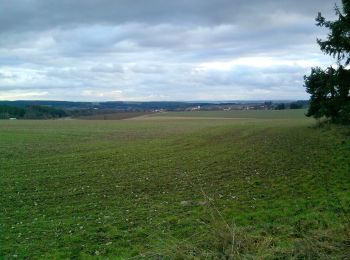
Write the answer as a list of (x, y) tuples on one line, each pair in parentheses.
[(109, 105), (31, 112), (50, 109), (293, 105)]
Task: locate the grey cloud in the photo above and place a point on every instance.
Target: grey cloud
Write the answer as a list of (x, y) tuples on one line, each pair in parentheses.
[(107, 68), (39, 14), (151, 49)]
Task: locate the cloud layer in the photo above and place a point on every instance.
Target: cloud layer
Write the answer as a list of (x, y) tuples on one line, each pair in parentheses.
[(158, 50)]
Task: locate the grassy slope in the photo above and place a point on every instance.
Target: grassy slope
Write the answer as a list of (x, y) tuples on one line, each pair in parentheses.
[(108, 188)]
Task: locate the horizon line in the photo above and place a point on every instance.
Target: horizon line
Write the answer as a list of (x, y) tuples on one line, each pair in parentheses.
[(151, 101)]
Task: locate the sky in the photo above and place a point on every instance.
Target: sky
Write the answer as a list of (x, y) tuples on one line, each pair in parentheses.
[(152, 50)]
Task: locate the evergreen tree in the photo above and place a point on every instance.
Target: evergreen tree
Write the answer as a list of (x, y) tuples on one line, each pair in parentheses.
[(329, 88)]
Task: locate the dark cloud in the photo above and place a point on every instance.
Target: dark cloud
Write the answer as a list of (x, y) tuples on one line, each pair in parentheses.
[(45, 14)]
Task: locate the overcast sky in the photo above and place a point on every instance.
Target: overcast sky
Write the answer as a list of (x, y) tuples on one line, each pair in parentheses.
[(97, 50)]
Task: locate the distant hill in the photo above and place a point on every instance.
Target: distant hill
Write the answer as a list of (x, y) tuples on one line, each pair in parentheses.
[(57, 109), (120, 105), (142, 106), (31, 112)]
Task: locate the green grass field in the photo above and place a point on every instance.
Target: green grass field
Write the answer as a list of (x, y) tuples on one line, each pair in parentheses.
[(267, 185), (255, 114)]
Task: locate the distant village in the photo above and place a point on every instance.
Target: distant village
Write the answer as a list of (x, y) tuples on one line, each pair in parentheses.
[(266, 105), (58, 109)]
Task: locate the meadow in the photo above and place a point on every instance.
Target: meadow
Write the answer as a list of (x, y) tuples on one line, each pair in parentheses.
[(185, 185)]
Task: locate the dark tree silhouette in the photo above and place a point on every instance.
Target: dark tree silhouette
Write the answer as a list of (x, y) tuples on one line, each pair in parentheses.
[(329, 88)]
